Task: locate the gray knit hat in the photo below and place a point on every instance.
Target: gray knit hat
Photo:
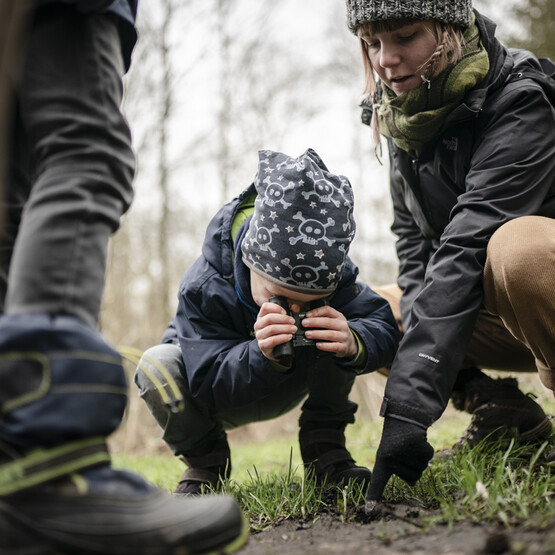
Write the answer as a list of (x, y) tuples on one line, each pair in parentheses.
[(457, 12), (302, 225)]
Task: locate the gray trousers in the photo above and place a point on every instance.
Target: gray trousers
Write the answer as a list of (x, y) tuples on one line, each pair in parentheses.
[(68, 183), (71, 166), (325, 384)]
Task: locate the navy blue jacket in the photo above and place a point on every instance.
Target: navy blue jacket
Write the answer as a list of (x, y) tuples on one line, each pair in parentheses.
[(127, 12), (494, 160), (214, 327)]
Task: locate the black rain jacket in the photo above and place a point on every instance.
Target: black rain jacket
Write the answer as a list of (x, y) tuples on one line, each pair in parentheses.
[(493, 161)]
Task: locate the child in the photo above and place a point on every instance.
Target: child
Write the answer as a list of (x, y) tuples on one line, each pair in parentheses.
[(469, 128), (287, 235)]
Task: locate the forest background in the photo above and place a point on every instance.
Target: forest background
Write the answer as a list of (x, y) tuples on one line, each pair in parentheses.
[(213, 82)]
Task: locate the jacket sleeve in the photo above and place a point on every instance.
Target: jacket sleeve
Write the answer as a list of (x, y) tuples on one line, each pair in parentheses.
[(224, 365), (511, 174), (413, 248)]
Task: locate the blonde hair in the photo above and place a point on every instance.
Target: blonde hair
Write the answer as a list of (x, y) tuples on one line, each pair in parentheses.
[(449, 40)]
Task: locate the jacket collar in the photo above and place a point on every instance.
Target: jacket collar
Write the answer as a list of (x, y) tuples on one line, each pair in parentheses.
[(242, 273), (501, 63)]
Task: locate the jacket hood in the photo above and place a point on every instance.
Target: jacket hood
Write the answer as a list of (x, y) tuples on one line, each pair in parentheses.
[(217, 247)]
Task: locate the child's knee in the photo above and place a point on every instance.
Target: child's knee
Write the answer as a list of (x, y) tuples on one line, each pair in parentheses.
[(157, 367)]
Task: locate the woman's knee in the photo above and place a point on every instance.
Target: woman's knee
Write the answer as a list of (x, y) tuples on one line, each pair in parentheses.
[(519, 253), (520, 244)]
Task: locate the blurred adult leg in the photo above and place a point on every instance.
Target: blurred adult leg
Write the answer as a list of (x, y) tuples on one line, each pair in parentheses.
[(69, 182), (14, 18), (62, 387)]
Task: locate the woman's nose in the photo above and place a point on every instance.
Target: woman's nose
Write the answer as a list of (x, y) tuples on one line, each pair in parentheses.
[(389, 56)]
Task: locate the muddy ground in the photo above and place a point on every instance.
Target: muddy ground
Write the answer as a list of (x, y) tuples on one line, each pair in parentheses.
[(397, 530)]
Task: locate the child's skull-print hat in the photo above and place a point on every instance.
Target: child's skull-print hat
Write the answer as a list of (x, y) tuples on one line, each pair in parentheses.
[(302, 225)]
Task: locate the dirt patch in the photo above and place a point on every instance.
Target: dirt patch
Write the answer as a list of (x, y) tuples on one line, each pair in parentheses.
[(398, 530)]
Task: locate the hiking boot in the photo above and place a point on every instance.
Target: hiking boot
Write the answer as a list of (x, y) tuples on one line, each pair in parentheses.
[(104, 511), (326, 458), (498, 407), (208, 466)]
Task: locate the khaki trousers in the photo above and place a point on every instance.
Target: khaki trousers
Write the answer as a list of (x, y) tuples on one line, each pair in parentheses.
[(515, 329)]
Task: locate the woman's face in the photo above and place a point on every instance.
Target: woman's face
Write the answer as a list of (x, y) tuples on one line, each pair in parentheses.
[(398, 56)]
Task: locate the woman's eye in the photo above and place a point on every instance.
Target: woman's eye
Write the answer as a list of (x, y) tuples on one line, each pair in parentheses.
[(407, 38)]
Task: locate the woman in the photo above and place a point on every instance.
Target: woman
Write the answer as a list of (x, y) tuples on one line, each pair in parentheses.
[(469, 129)]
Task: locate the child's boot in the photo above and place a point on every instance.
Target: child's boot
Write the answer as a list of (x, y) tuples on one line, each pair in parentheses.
[(208, 465), (325, 456)]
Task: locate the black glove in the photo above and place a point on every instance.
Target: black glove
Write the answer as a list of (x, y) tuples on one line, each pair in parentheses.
[(404, 451)]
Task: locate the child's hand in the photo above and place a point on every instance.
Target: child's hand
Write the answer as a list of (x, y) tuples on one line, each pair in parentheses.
[(273, 327), (335, 336)]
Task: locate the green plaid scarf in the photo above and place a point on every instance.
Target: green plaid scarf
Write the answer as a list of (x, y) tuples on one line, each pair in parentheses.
[(415, 117)]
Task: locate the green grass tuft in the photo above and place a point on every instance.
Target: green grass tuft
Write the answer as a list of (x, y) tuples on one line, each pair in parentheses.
[(503, 482)]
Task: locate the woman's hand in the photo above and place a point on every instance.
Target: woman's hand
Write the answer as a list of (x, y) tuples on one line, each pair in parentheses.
[(333, 334)]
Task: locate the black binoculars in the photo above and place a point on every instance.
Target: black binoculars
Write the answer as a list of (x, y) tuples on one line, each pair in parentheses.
[(286, 351)]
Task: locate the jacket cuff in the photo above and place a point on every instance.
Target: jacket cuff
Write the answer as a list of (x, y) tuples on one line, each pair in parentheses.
[(406, 412), (281, 368), (357, 364)]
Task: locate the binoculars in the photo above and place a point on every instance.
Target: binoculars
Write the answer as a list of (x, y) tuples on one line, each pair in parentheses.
[(286, 351)]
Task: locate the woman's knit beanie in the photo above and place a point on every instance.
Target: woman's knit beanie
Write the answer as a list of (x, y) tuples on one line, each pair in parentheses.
[(457, 12)]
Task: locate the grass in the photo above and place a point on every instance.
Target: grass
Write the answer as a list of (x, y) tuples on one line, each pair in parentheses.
[(503, 483)]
